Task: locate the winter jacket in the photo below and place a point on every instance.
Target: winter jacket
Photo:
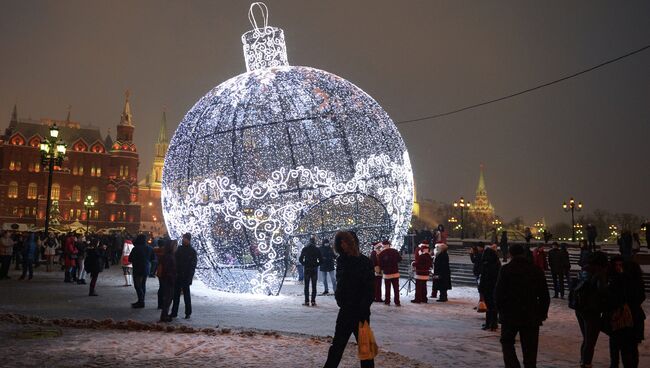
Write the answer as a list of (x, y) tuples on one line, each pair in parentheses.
[(51, 246), (521, 294), (374, 258), (167, 262), (476, 260), (327, 258), (596, 278), (310, 257), (354, 287), (389, 260), (556, 260), (565, 260), (70, 252), (30, 249), (626, 288), (140, 258), (94, 261), (539, 258), (185, 264), (6, 246), (422, 264), (490, 266), (126, 252), (584, 257), (441, 272)]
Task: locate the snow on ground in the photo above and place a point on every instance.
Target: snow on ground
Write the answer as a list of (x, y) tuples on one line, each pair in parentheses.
[(436, 334)]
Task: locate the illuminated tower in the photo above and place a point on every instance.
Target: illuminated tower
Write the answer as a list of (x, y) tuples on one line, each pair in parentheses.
[(482, 204)]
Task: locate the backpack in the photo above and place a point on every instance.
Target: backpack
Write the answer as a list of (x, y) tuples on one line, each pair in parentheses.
[(583, 293)]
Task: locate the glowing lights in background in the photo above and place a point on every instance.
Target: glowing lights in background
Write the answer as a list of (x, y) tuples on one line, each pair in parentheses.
[(275, 154)]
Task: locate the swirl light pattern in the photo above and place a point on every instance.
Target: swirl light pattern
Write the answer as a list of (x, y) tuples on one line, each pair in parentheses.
[(274, 155)]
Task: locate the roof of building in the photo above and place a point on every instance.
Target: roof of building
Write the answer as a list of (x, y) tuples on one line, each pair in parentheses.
[(69, 131)]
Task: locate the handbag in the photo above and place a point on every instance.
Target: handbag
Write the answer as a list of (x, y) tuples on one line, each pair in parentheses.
[(622, 318), (368, 348), (482, 307)]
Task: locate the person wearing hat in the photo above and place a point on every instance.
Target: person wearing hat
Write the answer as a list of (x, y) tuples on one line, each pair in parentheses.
[(441, 272), (422, 266), (374, 258), (140, 258), (185, 267), (389, 260)]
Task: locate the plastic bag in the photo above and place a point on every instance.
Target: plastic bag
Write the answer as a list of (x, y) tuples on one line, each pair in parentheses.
[(368, 348)]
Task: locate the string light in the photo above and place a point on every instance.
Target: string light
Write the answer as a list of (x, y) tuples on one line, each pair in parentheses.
[(271, 156)]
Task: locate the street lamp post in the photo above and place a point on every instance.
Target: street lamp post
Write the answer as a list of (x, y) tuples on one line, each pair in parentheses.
[(52, 153), (462, 204), (89, 203), (572, 206)]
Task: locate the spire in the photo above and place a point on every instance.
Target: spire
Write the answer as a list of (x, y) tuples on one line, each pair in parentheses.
[(67, 119), (481, 182), (14, 114), (108, 141), (162, 134), (127, 117)]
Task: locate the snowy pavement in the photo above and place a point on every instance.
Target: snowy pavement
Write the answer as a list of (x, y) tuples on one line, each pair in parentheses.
[(437, 334)]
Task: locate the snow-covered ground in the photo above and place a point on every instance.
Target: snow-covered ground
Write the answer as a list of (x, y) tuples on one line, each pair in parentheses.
[(436, 334)]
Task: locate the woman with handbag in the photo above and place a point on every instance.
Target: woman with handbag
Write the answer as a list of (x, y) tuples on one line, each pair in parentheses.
[(354, 295), (624, 318)]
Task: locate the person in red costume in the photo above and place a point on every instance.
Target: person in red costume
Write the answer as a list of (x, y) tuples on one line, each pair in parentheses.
[(422, 266), (374, 258), (389, 260)]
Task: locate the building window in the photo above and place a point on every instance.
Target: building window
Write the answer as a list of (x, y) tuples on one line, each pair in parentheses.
[(17, 165), (78, 214), (12, 165), (32, 191), (92, 170), (56, 191), (121, 169), (14, 211), (98, 172), (126, 171), (12, 192), (37, 167), (95, 214), (76, 193), (71, 214), (81, 170), (27, 211), (74, 170), (94, 192)]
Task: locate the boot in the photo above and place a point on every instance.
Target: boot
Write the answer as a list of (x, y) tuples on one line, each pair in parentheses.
[(92, 292), (126, 280)]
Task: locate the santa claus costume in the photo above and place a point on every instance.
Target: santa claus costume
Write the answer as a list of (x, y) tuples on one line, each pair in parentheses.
[(389, 260), (422, 266), (374, 258)]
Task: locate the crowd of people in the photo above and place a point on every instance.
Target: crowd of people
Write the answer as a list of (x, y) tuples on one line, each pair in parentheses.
[(86, 255)]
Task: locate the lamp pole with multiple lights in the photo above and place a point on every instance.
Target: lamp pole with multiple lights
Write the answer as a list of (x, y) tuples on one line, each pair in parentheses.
[(452, 223), (462, 204), (89, 203), (52, 153), (572, 206)]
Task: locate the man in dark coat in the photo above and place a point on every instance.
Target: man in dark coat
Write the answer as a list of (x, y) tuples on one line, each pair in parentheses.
[(556, 264), (592, 233), (490, 267), (310, 258), (166, 277), (441, 272), (94, 264), (354, 295), (140, 257), (522, 301), (327, 266), (185, 267)]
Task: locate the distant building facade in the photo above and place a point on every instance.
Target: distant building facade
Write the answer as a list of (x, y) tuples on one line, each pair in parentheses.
[(105, 169), (150, 187)]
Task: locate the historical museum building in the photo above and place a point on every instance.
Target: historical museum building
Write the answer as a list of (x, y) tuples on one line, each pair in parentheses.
[(150, 187), (105, 169)]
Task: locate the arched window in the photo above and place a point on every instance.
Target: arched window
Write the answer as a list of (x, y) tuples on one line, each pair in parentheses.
[(32, 191), (56, 191), (12, 192), (94, 192), (76, 193)]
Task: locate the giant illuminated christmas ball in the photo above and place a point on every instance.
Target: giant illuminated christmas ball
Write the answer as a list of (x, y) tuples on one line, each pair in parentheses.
[(277, 154)]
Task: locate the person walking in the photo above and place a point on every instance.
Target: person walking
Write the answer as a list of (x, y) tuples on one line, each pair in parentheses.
[(127, 267), (140, 258), (625, 244), (565, 263), (52, 246), (539, 257), (422, 267), (592, 233), (70, 259), (389, 260), (354, 295), (374, 258), (556, 264), (94, 264), (30, 255), (490, 267), (624, 318), (167, 277), (327, 266), (475, 254), (441, 272), (588, 298), (522, 302), (310, 258), (81, 244), (503, 246), (185, 268)]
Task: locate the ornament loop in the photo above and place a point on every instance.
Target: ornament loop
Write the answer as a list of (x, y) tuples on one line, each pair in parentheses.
[(265, 14)]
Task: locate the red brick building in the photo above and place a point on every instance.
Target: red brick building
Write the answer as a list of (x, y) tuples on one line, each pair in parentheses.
[(105, 169)]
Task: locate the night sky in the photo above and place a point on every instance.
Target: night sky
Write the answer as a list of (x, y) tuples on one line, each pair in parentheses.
[(586, 137)]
